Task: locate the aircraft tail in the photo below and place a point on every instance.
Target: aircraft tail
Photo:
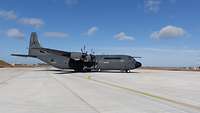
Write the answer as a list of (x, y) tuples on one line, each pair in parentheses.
[(34, 47), (34, 44)]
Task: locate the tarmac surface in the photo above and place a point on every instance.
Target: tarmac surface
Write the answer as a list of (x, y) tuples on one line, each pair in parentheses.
[(48, 90)]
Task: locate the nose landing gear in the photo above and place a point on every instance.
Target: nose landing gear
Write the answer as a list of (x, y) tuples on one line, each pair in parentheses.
[(127, 71)]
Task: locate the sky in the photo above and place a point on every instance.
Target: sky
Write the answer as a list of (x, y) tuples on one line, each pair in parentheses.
[(162, 32)]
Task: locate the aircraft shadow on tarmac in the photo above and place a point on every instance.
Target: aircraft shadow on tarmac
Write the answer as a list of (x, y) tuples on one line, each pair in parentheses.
[(60, 71)]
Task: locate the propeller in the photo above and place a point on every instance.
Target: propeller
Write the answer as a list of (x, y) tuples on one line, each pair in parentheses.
[(85, 54), (92, 52)]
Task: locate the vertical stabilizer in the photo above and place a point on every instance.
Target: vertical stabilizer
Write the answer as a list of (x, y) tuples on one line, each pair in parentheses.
[(34, 43)]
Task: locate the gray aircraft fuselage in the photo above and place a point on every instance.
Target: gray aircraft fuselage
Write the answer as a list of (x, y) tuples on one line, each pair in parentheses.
[(79, 61)]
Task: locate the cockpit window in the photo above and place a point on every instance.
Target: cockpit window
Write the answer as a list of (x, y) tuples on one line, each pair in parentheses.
[(131, 59)]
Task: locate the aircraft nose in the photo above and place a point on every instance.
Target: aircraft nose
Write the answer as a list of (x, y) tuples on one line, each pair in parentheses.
[(138, 64)]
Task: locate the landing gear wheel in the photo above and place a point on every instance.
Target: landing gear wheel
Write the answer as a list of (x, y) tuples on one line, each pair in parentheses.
[(127, 71), (99, 70)]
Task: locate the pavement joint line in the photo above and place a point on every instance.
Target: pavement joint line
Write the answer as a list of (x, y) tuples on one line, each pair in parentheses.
[(146, 94), (11, 78), (83, 100)]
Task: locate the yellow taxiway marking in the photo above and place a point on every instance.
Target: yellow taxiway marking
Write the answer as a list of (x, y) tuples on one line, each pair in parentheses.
[(146, 94), (88, 77)]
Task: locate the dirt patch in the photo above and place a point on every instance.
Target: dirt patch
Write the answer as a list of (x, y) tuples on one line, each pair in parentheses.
[(4, 64)]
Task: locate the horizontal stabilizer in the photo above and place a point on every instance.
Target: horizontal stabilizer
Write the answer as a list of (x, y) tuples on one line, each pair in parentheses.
[(20, 55)]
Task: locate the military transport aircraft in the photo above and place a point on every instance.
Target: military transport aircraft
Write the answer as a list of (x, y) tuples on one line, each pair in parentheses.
[(79, 61)]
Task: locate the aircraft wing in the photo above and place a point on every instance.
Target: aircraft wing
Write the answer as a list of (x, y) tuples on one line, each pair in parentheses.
[(56, 52)]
